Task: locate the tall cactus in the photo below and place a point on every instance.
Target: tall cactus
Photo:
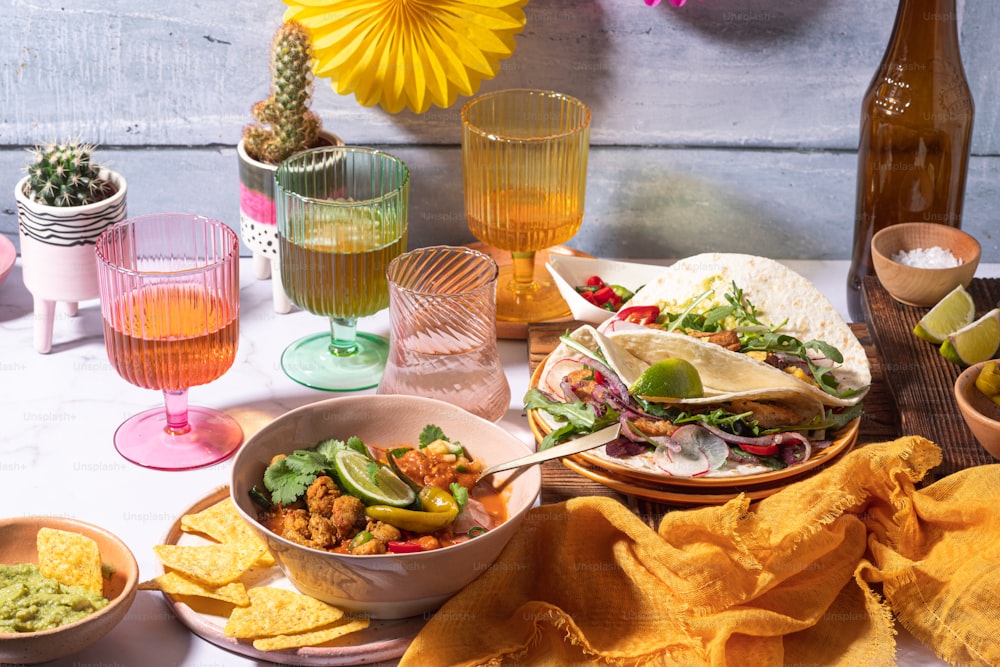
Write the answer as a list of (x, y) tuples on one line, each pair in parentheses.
[(62, 174), (286, 124)]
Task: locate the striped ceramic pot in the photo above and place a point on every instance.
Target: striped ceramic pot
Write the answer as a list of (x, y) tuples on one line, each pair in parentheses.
[(258, 223), (57, 252)]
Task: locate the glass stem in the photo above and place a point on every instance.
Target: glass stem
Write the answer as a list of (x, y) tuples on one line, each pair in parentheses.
[(343, 336), (176, 404), (523, 269)]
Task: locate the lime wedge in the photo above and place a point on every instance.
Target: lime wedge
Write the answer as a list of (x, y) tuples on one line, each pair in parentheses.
[(974, 342), (669, 378), (372, 483), (950, 314)]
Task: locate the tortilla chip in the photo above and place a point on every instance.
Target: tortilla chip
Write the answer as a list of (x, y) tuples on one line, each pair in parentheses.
[(70, 558), (313, 638), (223, 523), (211, 565), (173, 583), (277, 611)]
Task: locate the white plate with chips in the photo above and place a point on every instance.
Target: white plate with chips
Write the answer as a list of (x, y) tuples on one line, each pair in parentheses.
[(380, 641)]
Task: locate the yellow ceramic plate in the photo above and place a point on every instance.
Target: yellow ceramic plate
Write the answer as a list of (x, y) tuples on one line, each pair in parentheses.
[(661, 493), (843, 441)]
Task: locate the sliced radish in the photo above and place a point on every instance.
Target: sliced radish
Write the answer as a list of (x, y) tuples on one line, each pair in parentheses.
[(699, 452), (685, 463), (557, 371)]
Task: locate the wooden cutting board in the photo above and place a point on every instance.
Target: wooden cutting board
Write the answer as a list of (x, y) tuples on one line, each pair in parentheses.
[(921, 381)]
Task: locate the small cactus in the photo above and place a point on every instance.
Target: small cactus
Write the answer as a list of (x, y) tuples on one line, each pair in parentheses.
[(62, 174), (291, 125)]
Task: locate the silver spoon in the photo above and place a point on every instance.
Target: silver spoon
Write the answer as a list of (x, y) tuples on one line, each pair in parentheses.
[(574, 446)]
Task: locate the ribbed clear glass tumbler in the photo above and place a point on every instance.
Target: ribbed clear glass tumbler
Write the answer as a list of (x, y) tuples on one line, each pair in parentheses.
[(443, 342)]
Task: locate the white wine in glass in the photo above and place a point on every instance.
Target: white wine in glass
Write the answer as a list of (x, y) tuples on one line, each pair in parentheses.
[(342, 217)]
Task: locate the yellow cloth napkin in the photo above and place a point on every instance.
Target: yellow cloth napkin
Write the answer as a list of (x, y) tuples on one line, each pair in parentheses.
[(816, 574)]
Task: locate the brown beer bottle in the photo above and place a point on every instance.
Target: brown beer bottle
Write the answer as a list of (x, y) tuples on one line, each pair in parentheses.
[(916, 126)]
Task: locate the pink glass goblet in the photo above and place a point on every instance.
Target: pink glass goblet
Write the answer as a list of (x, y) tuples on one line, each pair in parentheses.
[(170, 303)]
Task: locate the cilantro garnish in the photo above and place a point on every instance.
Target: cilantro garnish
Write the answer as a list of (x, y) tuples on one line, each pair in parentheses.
[(430, 434), (461, 495), (288, 478)]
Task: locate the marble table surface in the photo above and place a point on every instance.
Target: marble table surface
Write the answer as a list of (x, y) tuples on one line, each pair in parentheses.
[(60, 411)]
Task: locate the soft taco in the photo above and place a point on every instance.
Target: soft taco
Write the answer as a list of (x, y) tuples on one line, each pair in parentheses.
[(781, 371)]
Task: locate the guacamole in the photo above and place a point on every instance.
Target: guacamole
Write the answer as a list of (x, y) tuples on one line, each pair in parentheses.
[(30, 602)]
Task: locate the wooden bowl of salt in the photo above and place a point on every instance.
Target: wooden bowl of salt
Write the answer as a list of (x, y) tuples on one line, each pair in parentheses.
[(919, 263)]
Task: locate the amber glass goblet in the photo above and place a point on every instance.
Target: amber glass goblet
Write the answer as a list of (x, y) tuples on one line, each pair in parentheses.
[(524, 172)]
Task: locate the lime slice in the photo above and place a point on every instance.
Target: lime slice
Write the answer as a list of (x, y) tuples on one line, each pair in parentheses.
[(372, 483), (669, 378), (974, 342), (950, 314)]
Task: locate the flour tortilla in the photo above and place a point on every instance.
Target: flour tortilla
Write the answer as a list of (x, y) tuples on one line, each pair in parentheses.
[(780, 296), (723, 379)]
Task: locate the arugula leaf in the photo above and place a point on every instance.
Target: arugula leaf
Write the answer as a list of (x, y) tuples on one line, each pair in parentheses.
[(687, 320), (576, 413), (578, 417)]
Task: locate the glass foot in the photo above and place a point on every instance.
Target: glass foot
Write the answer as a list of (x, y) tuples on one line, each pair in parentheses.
[(144, 439), (542, 303), (310, 362)]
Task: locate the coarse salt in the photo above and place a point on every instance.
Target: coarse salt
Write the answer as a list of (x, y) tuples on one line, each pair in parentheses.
[(927, 258)]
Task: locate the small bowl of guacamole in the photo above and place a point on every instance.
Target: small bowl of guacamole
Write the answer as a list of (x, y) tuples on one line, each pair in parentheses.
[(63, 585)]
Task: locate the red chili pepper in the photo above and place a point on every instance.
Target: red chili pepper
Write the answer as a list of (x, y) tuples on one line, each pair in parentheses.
[(639, 314), (407, 547), (760, 450), (604, 295)]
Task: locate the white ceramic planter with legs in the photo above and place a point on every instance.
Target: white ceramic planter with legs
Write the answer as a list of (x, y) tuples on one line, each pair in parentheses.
[(57, 252)]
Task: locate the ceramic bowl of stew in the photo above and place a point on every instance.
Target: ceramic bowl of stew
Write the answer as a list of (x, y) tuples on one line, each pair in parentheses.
[(392, 584), (18, 546), (896, 257)]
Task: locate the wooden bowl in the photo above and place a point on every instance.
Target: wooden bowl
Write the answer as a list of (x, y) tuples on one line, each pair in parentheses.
[(17, 545), (917, 286), (981, 414)]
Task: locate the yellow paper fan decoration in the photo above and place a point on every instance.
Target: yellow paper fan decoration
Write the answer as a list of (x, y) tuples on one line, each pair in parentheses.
[(408, 53)]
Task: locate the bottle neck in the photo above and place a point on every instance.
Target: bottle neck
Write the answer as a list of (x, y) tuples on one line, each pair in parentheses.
[(924, 30)]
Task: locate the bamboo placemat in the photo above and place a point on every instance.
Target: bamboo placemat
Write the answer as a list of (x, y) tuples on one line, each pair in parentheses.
[(919, 379)]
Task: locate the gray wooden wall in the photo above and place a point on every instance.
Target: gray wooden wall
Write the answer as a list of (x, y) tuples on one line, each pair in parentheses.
[(721, 125)]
